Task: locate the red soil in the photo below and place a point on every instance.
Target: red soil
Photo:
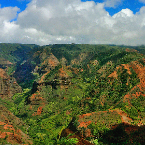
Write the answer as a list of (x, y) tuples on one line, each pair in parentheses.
[(10, 127), (81, 140), (84, 115), (82, 70), (39, 110), (36, 97), (52, 63), (67, 112), (43, 77), (88, 133), (62, 73), (127, 67), (2, 123), (140, 71), (124, 117), (3, 73), (14, 137), (2, 135), (30, 107), (114, 75), (131, 50), (84, 124)]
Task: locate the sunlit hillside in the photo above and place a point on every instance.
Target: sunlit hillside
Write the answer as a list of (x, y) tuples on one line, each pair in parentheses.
[(65, 94)]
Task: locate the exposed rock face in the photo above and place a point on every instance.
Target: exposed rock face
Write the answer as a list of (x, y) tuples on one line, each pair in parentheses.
[(79, 59), (73, 133), (4, 63), (8, 85), (50, 63), (9, 130)]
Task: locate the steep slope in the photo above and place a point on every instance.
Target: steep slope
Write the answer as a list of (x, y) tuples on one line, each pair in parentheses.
[(4, 63), (9, 128), (8, 85), (81, 93), (15, 52), (130, 107)]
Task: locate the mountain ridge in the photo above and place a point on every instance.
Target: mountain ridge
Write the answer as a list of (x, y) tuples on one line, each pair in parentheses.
[(99, 88)]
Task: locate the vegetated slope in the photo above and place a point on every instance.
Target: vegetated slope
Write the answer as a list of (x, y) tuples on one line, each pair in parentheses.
[(15, 52), (13, 56), (10, 125), (8, 85), (81, 93), (10, 128)]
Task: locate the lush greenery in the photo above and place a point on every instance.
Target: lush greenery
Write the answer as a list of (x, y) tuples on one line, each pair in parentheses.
[(86, 88)]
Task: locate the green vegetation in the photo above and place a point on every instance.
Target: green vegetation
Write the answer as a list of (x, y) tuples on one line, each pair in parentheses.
[(55, 95)]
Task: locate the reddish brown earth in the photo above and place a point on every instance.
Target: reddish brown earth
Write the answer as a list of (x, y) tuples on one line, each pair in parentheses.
[(81, 140), (39, 110), (114, 75), (8, 85), (127, 67), (3, 73), (140, 71), (62, 73), (140, 88), (50, 62), (5, 62), (12, 135), (84, 124), (9, 128), (131, 50), (87, 119), (124, 116), (36, 99), (43, 77)]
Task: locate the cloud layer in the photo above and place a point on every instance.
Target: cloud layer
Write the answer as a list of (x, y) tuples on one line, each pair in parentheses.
[(66, 21), (142, 1), (113, 3)]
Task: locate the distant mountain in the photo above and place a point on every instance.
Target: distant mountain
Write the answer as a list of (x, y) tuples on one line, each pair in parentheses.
[(75, 93)]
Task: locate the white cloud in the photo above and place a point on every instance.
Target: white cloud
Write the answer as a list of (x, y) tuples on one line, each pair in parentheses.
[(124, 13), (113, 3), (47, 21), (8, 13), (142, 1)]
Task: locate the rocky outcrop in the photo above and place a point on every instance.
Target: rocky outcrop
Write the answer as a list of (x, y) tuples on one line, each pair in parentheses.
[(8, 85), (72, 132), (49, 63), (4, 63), (9, 128)]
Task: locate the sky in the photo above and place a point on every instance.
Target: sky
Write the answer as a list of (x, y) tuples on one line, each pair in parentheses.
[(44, 22)]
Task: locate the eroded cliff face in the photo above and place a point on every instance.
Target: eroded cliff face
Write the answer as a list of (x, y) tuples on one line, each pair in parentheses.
[(9, 128), (116, 118), (8, 85), (57, 83), (4, 63)]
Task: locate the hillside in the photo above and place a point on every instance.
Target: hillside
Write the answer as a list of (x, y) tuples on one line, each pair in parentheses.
[(74, 93)]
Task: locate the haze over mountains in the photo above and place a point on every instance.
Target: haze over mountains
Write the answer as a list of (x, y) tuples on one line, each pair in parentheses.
[(72, 94)]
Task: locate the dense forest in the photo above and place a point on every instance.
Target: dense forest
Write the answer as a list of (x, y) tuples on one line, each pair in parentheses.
[(67, 94)]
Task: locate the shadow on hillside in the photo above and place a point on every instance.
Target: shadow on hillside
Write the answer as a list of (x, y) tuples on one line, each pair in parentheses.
[(23, 75), (72, 132), (124, 134)]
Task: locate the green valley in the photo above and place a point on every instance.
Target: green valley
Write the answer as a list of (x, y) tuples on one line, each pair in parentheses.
[(67, 94)]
